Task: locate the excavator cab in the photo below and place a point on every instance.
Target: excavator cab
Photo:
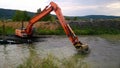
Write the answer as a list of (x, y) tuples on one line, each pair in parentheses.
[(28, 31), (20, 33)]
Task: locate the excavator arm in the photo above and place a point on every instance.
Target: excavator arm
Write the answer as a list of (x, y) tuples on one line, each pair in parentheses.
[(69, 32)]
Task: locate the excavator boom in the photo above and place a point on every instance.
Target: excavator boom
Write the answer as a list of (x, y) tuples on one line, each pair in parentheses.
[(69, 32)]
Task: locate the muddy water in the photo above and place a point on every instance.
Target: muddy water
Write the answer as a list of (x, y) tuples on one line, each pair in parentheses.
[(105, 53)]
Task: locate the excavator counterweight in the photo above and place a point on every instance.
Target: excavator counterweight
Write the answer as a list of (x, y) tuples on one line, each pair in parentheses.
[(69, 32)]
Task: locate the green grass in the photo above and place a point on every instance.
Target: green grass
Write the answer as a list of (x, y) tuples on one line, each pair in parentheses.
[(37, 62), (80, 31), (34, 61), (50, 32), (111, 37), (8, 30), (50, 61)]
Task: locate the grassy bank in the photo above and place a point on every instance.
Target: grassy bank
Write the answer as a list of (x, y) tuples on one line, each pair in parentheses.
[(50, 61), (47, 28), (83, 31), (111, 37)]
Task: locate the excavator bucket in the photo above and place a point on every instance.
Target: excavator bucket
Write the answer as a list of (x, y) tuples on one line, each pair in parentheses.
[(84, 49)]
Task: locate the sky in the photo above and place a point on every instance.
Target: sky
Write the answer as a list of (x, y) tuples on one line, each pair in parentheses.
[(68, 7)]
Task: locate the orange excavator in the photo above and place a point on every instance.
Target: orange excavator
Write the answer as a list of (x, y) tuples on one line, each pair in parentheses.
[(27, 32)]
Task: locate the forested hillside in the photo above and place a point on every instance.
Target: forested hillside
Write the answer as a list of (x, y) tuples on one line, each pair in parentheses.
[(8, 14)]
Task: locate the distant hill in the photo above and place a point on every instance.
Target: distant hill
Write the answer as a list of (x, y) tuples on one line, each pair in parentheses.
[(8, 14), (100, 17)]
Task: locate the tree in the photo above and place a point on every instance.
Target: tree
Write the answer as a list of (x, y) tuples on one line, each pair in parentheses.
[(75, 18), (25, 17), (20, 16), (67, 18), (38, 10), (52, 19), (48, 17)]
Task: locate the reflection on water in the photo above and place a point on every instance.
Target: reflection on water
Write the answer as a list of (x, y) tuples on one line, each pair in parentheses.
[(5, 52), (104, 53)]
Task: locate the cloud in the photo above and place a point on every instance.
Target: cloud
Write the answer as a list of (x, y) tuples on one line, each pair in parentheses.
[(28, 5), (69, 7), (89, 7), (109, 9), (88, 2), (114, 5)]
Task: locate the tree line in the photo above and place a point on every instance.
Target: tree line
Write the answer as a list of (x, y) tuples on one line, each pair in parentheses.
[(24, 16)]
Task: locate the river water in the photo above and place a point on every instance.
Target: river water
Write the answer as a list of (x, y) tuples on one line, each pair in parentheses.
[(104, 53)]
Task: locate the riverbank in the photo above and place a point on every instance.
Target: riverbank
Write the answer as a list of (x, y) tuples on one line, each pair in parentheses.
[(48, 28)]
